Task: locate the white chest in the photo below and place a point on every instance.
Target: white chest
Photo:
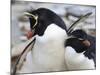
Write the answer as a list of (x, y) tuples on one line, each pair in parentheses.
[(48, 52)]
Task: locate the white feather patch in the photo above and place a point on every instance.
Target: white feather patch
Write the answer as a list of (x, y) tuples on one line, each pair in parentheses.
[(77, 61)]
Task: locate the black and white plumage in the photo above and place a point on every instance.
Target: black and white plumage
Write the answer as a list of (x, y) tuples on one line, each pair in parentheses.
[(48, 51), (80, 51)]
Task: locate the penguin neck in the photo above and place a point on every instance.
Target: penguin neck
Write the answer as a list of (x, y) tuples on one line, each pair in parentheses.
[(54, 36), (52, 33)]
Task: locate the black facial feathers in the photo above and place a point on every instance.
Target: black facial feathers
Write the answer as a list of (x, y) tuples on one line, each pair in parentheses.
[(76, 44), (79, 34)]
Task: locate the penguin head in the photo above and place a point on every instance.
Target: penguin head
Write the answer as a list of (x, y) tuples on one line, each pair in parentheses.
[(78, 41), (76, 44), (41, 18), (82, 36)]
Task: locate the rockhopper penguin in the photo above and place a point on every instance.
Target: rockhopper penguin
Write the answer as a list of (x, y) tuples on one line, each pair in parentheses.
[(48, 52)]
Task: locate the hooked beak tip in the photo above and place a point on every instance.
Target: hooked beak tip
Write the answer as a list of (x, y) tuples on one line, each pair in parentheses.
[(29, 34)]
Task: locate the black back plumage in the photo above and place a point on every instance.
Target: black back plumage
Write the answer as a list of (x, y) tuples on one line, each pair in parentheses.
[(45, 18)]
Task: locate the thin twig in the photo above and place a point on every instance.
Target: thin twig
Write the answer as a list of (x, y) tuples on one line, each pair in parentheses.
[(82, 18), (19, 58)]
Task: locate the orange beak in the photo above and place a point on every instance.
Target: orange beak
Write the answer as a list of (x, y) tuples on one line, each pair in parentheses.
[(29, 34)]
